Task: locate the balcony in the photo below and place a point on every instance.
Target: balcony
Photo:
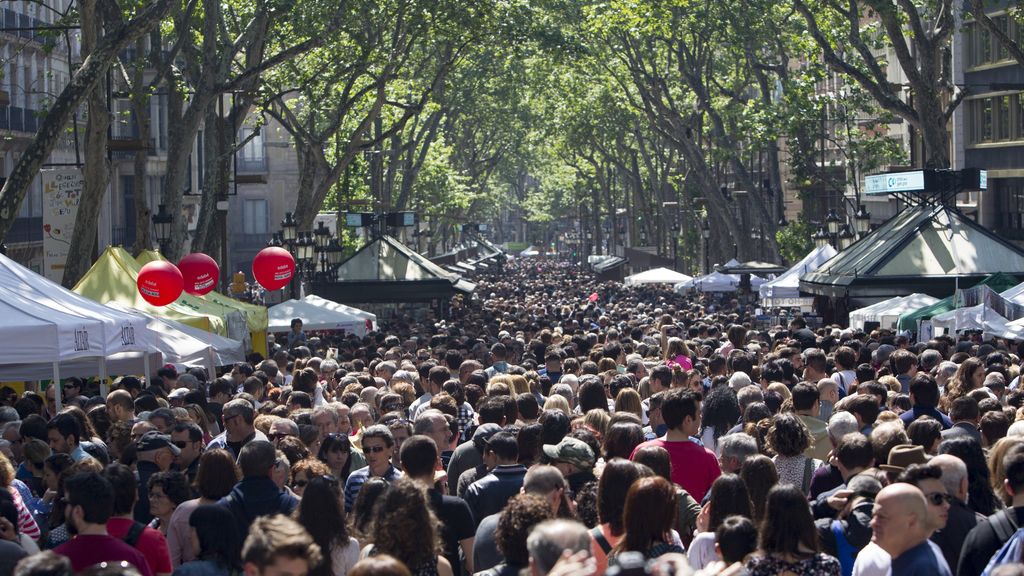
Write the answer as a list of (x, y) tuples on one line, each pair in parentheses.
[(122, 236), (251, 164)]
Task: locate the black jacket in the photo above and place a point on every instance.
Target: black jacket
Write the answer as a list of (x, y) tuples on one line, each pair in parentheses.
[(985, 539), (959, 524), (856, 527), (490, 493), (257, 496)]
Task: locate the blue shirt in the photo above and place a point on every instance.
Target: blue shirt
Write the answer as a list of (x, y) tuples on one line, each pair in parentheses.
[(918, 561), (917, 411), (358, 478)]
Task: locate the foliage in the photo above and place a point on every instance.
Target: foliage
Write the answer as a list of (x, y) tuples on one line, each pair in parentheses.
[(795, 239)]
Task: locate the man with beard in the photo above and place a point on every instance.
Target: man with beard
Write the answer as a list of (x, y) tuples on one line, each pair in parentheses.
[(89, 501)]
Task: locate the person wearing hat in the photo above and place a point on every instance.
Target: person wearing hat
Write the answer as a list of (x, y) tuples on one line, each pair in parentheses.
[(156, 453), (574, 459), (903, 455), (490, 493), (470, 455), (177, 397)]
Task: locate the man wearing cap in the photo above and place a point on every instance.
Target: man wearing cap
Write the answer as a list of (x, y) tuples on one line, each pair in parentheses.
[(469, 455), (177, 397), (156, 453), (574, 459), (490, 493), (238, 418)]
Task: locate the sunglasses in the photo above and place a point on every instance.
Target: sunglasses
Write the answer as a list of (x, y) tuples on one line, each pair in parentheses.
[(374, 449), (278, 435), (937, 498), (180, 444)]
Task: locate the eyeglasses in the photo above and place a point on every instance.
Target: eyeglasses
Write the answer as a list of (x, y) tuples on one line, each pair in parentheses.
[(374, 449), (182, 444), (937, 498)]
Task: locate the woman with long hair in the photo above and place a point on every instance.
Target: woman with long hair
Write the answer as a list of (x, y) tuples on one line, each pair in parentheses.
[(404, 526), (980, 497), (220, 545), (677, 353), (760, 475), (618, 475), (622, 438), (628, 400), (362, 510), (648, 518), (788, 540), (336, 453), (322, 512), (969, 376), (729, 497)]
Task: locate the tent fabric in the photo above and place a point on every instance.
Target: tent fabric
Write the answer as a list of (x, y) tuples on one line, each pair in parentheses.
[(999, 282), (888, 312), (255, 316), (184, 344), (36, 334), (316, 316), (656, 276), (123, 332), (331, 305), (1015, 294), (982, 318), (787, 285), (716, 282)]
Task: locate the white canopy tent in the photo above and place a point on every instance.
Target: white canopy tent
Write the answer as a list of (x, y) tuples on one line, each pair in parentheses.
[(1015, 294), (656, 276), (982, 318), (315, 315), (887, 312), (717, 282), (331, 305), (787, 284)]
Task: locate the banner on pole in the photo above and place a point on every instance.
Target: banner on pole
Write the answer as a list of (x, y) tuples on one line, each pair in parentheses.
[(62, 191)]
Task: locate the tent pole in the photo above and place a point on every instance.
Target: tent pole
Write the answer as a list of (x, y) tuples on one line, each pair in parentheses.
[(56, 383), (104, 387)]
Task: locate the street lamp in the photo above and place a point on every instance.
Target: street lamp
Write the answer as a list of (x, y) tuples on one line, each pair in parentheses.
[(306, 247), (846, 237), (275, 240), (833, 221), (289, 228), (862, 221), (162, 222), (821, 238), (322, 235)]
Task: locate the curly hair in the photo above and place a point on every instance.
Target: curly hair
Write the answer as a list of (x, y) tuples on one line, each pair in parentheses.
[(521, 514), (961, 382), (404, 525), (788, 436)]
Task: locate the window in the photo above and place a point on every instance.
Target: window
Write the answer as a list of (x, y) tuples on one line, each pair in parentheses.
[(1020, 116), (1013, 211), (254, 216), (1002, 23), (1002, 117), (985, 124)]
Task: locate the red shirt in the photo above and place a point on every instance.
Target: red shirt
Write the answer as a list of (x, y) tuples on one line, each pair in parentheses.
[(151, 543), (87, 550), (694, 467)]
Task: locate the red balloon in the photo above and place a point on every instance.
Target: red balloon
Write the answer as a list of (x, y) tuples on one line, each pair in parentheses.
[(201, 273), (273, 268), (160, 283)]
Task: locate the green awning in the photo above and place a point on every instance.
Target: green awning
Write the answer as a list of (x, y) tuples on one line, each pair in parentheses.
[(999, 282)]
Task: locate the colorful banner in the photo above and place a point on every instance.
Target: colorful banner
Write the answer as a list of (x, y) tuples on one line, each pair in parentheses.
[(62, 191)]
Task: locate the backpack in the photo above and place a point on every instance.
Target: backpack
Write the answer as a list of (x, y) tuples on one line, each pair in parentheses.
[(131, 537), (1010, 552)]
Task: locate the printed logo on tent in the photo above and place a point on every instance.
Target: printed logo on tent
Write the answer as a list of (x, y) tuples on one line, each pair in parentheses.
[(127, 335), (81, 340)]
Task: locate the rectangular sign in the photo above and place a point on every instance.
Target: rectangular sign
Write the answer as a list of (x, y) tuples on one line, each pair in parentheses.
[(62, 191), (894, 182)]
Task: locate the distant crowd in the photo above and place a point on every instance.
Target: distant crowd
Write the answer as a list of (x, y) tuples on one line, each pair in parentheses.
[(552, 425)]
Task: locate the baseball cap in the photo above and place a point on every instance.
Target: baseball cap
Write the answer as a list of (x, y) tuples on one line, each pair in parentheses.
[(573, 451), (178, 393), (154, 440)]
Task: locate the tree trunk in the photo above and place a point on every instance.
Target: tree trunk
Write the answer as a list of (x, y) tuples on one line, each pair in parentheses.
[(140, 107), (96, 171), (82, 82)]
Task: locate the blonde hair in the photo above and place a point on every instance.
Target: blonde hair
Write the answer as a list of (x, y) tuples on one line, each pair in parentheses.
[(891, 383), (519, 384), (597, 419), (676, 347), (558, 402), (780, 389)]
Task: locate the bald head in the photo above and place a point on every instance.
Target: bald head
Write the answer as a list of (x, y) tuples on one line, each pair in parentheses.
[(900, 520), (954, 474)]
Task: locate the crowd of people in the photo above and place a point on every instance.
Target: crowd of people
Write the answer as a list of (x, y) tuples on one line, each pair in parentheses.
[(551, 425)]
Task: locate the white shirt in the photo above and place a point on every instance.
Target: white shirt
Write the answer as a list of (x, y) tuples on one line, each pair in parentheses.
[(873, 561), (702, 550)]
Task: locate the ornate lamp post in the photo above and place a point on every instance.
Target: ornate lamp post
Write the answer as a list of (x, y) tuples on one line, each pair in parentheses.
[(162, 222)]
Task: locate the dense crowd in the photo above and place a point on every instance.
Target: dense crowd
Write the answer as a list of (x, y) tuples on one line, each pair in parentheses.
[(551, 425)]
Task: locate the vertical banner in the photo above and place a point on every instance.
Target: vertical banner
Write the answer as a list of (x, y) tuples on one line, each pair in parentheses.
[(62, 191)]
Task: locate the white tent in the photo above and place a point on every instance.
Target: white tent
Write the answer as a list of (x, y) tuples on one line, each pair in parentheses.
[(331, 305), (184, 344), (122, 331), (787, 284), (980, 317), (531, 251), (1015, 294), (36, 334), (316, 317), (717, 282), (887, 312), (656, 276)]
